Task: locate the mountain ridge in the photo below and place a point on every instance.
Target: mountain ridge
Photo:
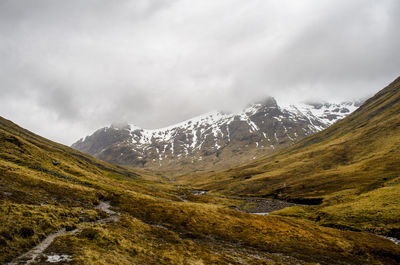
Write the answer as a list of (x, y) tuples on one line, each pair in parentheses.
[(215, 139)]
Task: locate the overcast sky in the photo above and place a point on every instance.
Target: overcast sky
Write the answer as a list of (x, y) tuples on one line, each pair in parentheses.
[(70, 67)]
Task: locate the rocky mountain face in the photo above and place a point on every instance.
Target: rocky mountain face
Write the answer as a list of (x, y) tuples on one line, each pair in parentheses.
[(213, 140)]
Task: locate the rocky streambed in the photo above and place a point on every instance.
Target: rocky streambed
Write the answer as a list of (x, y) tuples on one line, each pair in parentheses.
[(263, 206)]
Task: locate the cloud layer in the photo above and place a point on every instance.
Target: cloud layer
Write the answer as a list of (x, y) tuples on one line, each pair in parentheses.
[(70, 67)]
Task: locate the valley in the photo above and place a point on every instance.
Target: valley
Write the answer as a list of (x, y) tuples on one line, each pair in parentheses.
[(264, 212), (199, 132)]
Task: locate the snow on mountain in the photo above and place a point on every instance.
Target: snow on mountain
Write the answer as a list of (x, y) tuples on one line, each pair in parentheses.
[(215, 138), (326, 112), (212, 120)]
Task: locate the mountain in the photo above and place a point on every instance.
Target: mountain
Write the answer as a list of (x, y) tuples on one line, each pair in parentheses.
[(216, 139), (350, 171), (58, 205)]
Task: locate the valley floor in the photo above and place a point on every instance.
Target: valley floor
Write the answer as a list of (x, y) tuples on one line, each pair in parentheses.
[(118, 235)]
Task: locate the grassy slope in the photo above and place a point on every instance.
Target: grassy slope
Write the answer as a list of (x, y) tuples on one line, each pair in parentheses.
[(38, 197), (353, 166)]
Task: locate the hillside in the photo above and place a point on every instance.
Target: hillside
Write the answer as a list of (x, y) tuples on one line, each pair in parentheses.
[(352, 168), (48, 188), (214, 140)]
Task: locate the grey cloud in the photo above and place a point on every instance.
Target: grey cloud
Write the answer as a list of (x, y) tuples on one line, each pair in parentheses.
[(80, 65), (60, 100)]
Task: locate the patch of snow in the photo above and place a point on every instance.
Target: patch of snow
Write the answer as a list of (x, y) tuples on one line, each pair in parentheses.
[(198, 192), (261, 213), (276, 138), (58, 258), (394, 240)]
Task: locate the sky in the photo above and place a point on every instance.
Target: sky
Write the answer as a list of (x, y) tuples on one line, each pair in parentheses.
[(70, 67)]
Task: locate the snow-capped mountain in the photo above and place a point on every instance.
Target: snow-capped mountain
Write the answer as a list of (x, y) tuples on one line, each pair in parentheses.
[(215, 139)]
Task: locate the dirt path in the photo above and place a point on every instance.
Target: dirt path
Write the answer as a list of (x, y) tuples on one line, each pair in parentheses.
[(30, 256), (105, 207)]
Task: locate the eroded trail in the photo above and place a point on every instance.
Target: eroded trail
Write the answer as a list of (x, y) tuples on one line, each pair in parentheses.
[(31, 255), (105, 207)]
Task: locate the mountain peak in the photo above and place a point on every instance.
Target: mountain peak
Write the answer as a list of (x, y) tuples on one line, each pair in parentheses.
[(120, 126), (268, 102)]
